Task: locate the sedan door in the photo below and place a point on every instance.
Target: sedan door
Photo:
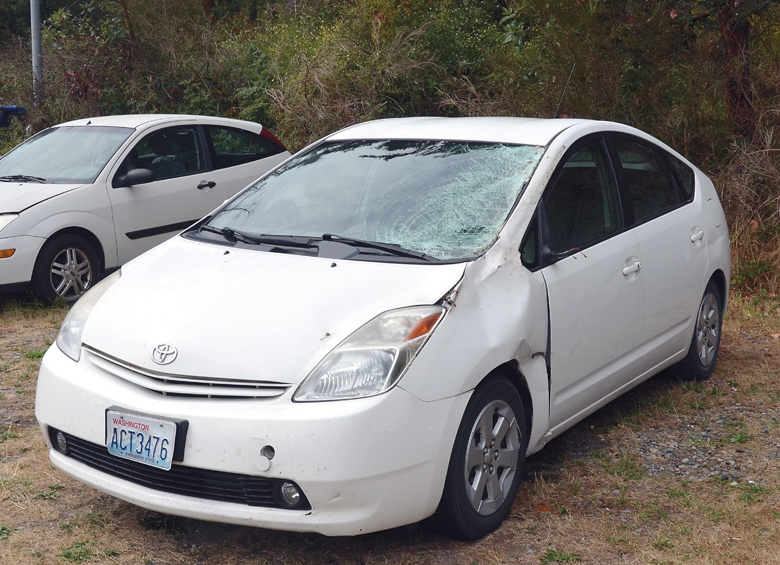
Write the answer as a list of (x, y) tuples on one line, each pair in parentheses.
[(595, 286), (184, 190), (671, 238)]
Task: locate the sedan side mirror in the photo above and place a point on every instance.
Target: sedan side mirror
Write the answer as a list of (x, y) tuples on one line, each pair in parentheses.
[(136, 176)]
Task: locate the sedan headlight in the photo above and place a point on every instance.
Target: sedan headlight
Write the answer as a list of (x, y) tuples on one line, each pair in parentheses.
[(6, 219), (69, 338), (374, 358)]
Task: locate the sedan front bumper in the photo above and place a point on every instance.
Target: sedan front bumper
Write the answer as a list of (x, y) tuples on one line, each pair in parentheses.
[(364, 464), (17, 269)]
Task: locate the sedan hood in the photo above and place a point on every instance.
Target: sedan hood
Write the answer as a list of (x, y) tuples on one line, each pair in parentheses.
[(18, 196), (247, 314)]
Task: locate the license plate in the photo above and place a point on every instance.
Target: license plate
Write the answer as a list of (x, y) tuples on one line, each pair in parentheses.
[(140, 438)]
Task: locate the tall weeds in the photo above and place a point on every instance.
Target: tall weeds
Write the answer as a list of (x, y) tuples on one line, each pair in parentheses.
[(309, 67), (749, 188)]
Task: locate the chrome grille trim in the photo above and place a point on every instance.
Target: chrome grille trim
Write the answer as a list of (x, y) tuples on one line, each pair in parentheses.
[(184, 385)]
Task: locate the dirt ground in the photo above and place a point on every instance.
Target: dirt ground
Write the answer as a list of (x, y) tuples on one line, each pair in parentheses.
[(670, 473)]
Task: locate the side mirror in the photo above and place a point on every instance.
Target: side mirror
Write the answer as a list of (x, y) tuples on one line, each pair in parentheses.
[(136, 176)]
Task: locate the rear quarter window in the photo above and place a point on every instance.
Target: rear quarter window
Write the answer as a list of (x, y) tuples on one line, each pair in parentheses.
[(684, 174), (648, 180)]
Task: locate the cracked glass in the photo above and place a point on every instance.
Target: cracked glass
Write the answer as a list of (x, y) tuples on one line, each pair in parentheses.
[(446, 199)]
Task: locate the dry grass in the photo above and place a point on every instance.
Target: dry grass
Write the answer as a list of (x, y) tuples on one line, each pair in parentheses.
[(589, 497)]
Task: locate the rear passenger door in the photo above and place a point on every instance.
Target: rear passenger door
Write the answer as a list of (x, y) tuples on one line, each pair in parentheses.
[(659, 193), (595, 285), (240, 157)]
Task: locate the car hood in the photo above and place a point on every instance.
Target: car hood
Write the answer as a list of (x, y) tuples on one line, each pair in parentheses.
[(247, 314), (18, 196)]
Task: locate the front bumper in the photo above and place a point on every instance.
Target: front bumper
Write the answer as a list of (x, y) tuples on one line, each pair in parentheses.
[(17, 269), (364, 465)]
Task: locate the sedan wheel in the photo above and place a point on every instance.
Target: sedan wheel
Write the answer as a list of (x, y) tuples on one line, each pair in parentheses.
[(491, 457), (486, 463), (708, 330), (67, 267), (703, 353)]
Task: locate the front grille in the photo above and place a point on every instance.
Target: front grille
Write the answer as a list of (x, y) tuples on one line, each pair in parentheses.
[(187, 481), (184, 385)]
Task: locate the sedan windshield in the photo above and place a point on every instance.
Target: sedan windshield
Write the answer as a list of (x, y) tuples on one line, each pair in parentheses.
[(64, 155), (445, 199)]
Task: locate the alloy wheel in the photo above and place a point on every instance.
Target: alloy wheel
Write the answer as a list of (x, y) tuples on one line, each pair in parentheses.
[(492, 456), (71, 273), (707, 328)]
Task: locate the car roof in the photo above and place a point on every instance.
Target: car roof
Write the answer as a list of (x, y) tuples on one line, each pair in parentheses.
[(138, 120), (527, 131)]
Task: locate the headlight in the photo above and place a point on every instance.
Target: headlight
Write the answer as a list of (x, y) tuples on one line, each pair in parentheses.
[(374, 358), (6, 219), (69, 338)]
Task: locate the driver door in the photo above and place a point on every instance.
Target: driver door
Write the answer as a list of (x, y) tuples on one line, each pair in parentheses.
[(595, 286), (148, 214)]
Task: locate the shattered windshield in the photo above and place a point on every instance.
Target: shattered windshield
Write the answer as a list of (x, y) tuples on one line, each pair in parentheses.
[(65, 155), (446, 199)]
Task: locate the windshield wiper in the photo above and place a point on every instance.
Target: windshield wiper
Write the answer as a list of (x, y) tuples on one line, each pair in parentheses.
[(238, 236), (386, 247), (22, 178)]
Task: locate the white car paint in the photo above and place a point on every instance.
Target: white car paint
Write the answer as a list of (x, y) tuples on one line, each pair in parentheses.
[(292, 345), (373, 463), (104, 214)]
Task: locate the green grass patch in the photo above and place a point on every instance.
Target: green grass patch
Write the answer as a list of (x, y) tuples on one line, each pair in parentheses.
[(35, 354), (685, 496), (78, 552), (49, 494), (664, 543), (752, 492), (554, 556), (626, 466)]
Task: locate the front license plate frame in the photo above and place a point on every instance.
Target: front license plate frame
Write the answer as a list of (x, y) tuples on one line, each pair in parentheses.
[(143, 438)]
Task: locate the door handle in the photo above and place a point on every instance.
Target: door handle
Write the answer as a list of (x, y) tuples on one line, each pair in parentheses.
[(206, 184), (632, 268), (697, 236)]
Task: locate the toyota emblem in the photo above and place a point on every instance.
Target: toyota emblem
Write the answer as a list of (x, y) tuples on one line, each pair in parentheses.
[(164, 354)]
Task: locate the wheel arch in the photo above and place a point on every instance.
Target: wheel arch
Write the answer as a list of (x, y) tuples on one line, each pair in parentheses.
[(511, 370), (91, 238), (719, 278)]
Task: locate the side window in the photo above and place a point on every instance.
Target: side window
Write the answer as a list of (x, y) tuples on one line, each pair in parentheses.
[(235, 147), (583, 205), (685, 176), (170, 152), (648, 180)]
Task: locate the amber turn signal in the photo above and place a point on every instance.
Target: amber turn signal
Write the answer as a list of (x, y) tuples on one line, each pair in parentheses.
[(423, 327)]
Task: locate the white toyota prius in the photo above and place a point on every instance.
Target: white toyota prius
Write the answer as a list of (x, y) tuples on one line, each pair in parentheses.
[(84, 197), (381, 329)]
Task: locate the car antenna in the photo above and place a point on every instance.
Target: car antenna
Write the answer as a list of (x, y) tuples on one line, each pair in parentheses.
[(564, 90)]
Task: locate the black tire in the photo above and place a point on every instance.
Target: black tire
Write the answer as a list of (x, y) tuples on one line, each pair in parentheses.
[(705, 343), (466, 509), (67, 267)]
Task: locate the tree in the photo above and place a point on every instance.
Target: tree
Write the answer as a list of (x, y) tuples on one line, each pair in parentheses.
[(733, 19)]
